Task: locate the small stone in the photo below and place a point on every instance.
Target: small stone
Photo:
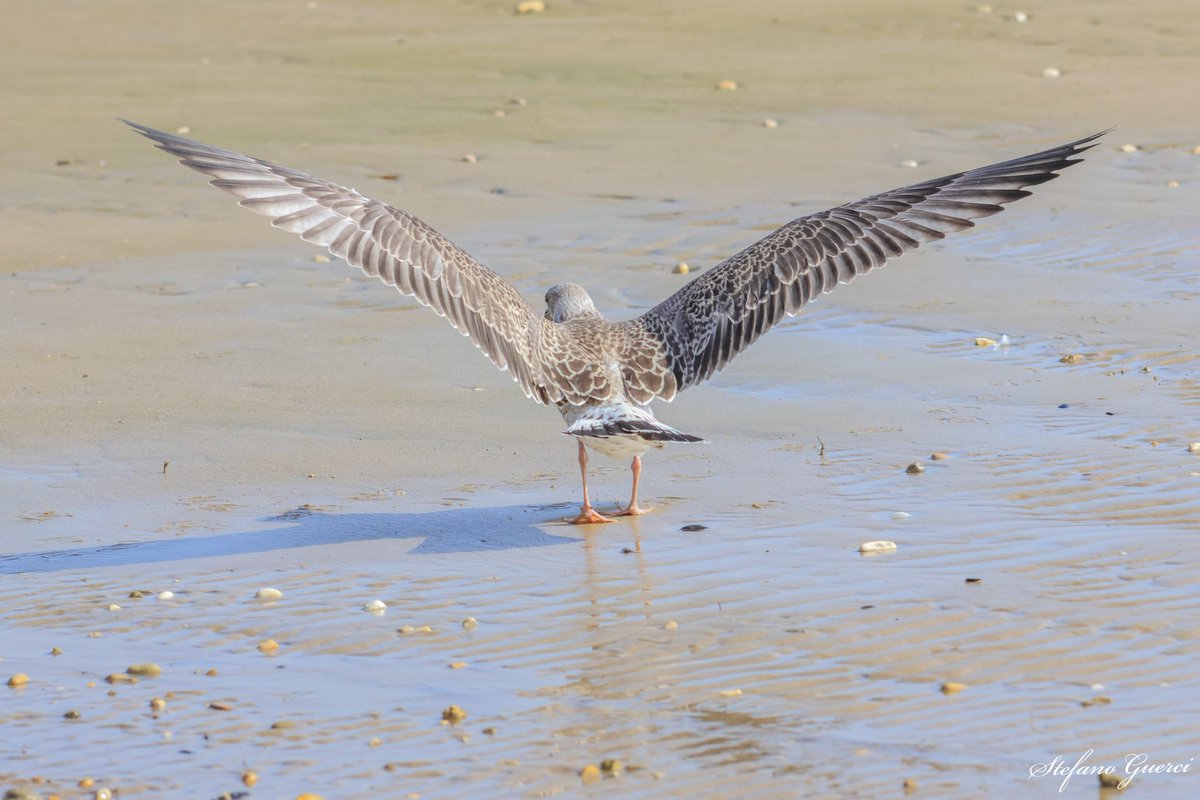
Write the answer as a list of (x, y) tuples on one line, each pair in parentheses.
[(157, 704), (20, 679), (489, 731), (268, 594), (72, 715), (166, 595), (136, 595), (113, 607), (219, 706), (952, 687), (375, 606), (670, 625), (408, 630), (1020, 16), (1073, 358), (454, 715), (938, 456), (212, 673), (972, 580), (374, 741), (469, 623), (457, 664), (1098, 700), (983, 341), (692, 528), (879, 546), (1196, 150), (1112, 780), (86, 783), (183, 129), (320, 258), (268, 646), (309, 796), (1051, 72), (900, 515), (499, 112), (1194, 447), (249, 778), (120, 677), (530, 7), (148, 669), (54, 651), (910, 785), (23, 794), (103, 794), (1129, 148), (1172, 184), (282, 725), (470, 158), (681, 268), (590, 773), (910, 163), (727, 85), (612, 766), (770, 123), (914, 469), (729, 693)]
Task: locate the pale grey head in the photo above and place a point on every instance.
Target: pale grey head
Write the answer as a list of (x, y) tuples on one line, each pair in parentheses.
[(566, 301)]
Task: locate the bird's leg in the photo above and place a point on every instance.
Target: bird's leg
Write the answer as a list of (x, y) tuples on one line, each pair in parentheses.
[(587, 514), (634, 509)]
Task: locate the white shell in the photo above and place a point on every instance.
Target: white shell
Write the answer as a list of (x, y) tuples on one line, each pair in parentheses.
[(877, 547)]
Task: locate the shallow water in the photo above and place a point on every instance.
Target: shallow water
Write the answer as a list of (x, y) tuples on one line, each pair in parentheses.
[(196, 405)]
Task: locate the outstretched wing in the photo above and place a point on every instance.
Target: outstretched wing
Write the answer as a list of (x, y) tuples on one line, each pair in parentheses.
[(394, 246), (699, 329)]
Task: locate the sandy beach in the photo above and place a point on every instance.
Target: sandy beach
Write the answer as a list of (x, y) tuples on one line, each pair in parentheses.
[(192, 403)]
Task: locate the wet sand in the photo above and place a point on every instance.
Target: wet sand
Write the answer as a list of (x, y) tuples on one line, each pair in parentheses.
[(193, 404)]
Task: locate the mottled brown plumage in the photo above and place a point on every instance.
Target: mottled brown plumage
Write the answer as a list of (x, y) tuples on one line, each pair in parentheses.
[(600, 374)]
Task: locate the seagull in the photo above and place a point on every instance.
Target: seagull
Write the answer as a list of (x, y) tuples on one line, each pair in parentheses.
[(602, 375)]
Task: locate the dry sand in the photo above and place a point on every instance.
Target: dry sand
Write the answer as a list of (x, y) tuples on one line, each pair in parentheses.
[(191, 403)]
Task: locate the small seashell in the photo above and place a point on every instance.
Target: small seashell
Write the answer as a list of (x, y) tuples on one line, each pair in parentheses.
[(212, 673), (86, 783), (612, 766), (457, 664), (406, 630), (375, 606), (113, 607), (1020, 16), (939, 456), (910, 785), (136, 595), (983, 341), (166, 595), (670, 625), (268, 594), (770, 123), (470, 158), (1172, 184), (157, 704), (321, 258), (1129, 148), (1099, 700), (590, 773), (72, 715), (453, 715), (899, 515), (268, 646), (249, 778), (681, 268), (54, 651), (148, 669), (183, 129), (914, 469), (1051, 72), (20, 679), (374, 741), (730, 693), (952, 687), (727, 85), (879, 546), (1194, 447), (530, 6), (910, 163), (469, 622), (1073, 358)]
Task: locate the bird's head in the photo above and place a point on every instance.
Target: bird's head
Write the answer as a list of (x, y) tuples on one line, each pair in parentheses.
[(567, 301)]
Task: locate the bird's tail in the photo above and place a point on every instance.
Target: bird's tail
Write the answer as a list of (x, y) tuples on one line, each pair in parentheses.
[(604, 422)]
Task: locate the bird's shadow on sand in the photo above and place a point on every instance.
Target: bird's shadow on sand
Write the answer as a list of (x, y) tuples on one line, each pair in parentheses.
[(454, 530)]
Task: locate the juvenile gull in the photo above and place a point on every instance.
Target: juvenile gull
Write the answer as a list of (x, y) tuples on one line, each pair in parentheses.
[(602, 375)]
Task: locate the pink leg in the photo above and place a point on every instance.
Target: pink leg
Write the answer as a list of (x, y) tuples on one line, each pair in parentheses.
[(587, 514), (634, 509)]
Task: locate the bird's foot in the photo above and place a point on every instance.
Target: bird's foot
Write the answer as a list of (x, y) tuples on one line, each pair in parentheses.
[(633, 511), (589, 516)]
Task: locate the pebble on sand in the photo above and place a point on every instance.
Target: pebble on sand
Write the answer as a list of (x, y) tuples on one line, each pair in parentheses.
[(590, 773), (1112, 780), (952, 687), (670, 625), (612, 766), (1073, 358), (113, 607), (1051, 72), (681, 268), (470, 622), (457, 664), (148, 669), (729, 693), (309, 796), (530, 7), (453, 715), (770, 123), (983, 341), (268, 593), (375, 606), (166, 595), (20, 679), (1129, 148), (249, 778), (1172, 184), (727, 85), (86, 783), (54, 651), (103, 794), (1194, 447), (120, 677), (914, 469), (268, 646), (157, 704), (1020, 16), (910, 163), (470, 158), (938, 456), (880, 546), (320, 258)]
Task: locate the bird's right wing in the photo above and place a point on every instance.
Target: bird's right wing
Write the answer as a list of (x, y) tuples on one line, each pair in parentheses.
[(396, 247)]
